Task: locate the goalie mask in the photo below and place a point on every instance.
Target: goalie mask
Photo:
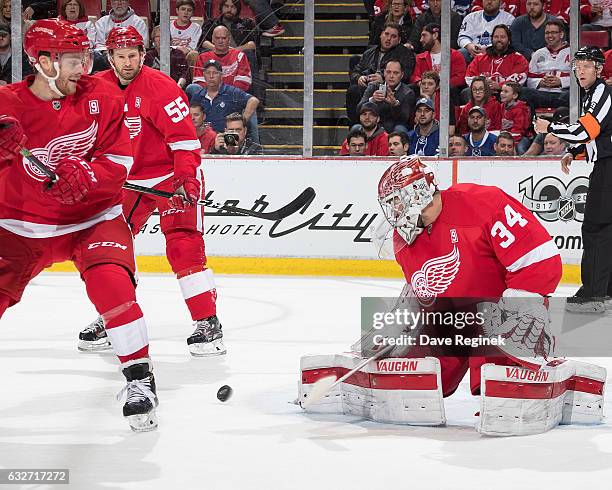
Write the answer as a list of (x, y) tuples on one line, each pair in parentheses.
[(404, 190), (54, 38)]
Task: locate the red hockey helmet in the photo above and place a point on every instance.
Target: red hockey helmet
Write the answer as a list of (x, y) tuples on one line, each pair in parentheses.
[(124, 37), (55, 37), (405, 189)]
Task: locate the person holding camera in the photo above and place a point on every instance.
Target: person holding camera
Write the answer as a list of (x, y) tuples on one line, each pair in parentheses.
[(233, 140), (394, 99)]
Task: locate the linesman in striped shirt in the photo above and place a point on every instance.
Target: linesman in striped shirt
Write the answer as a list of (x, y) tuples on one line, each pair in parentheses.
[(591, 135)]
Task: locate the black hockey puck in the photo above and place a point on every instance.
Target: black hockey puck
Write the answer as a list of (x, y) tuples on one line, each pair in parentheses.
[(224, 393)]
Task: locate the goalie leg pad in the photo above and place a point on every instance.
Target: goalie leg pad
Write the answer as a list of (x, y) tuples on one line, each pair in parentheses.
[(519, 401), (393, 390)]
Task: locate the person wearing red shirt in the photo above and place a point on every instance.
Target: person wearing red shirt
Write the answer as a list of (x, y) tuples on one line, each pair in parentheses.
[(607, 70), (167, 157), (206, 134), (74, 124), (500, 63), (480, 95), (515, 116), (430, 58), (236, 67), (377, 143)]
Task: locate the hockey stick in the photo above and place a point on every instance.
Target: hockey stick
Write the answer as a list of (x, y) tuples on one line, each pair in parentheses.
[(324, 385), (298, 203)]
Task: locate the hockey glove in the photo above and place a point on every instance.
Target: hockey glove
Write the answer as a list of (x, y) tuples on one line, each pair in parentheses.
[(12, 137), (76, 179), (186, 192), (521, 318)]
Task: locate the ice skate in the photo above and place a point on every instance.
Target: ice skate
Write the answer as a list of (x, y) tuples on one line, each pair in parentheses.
[(139, 407), (94, 338), (578, 304), (207, 338)]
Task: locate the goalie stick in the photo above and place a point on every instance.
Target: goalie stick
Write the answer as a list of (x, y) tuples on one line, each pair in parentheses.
[(298, 203)]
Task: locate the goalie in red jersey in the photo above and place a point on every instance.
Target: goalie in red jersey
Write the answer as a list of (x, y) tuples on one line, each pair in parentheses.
[(166, 156), (72, 122), (459, 246)]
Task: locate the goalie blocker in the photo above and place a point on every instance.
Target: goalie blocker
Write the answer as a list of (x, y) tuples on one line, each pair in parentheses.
[(513, 400)]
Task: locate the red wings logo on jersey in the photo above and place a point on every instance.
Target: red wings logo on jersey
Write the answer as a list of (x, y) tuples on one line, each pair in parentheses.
[(75, 144), (435, 276), (134, 125)]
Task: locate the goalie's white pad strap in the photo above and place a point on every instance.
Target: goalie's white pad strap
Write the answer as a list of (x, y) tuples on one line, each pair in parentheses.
[(393, 390), (518, 401)]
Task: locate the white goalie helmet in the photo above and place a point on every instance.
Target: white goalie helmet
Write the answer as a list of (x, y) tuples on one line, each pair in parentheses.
[(405, 189)]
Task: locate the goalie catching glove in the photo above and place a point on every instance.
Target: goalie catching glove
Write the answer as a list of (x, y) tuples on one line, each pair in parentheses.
[(522, 319), (12, 138), (75, 179), (186, 192)]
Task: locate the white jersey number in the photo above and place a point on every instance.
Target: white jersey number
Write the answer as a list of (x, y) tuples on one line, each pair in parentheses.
[(500, 229), (177, 109)]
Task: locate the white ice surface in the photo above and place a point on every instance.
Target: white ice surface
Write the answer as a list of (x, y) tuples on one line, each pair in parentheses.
[(57, 406)]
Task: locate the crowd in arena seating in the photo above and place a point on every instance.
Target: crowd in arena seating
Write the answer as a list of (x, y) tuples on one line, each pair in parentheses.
[(509, 59)]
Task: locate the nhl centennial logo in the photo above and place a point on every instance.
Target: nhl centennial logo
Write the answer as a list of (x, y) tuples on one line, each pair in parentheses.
[(552, 200)]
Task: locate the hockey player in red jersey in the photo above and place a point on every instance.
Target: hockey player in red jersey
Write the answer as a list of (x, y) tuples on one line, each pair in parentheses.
[(456, 247), (166, 156), (73, 124)]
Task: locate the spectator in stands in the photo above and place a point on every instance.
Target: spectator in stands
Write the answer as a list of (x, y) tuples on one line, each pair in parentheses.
[(233, 140), (206, 134), (179, 70), (6, 71), (244, 35), (598, 15), (515, 116), (377, 143), (73, 12), (457, 146), (433, 15), (395, 103), (511, 6), (38, 9), (398, 14), (356, 141), (550, 69), (184, 34), (398, 144), (499, 63), (561, 114), (480, 95), (266, 18), (481, 143), (554, 145), (369, 68), (425, 137), (220, 99), (607, 71), (431, 58), (476, 32), (120, 15), (504, 145), (528, 31), (236, 68), (5, 12), (429, 87)]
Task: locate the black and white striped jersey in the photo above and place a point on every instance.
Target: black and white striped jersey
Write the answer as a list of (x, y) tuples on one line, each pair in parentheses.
[(592, 133)]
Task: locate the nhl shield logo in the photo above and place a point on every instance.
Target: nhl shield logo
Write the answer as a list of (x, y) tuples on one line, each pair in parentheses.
[(567, 209)]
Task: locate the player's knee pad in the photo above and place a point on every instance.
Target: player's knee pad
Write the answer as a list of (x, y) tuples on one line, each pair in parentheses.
[(185, 252), (392, 390), (520, 401)]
